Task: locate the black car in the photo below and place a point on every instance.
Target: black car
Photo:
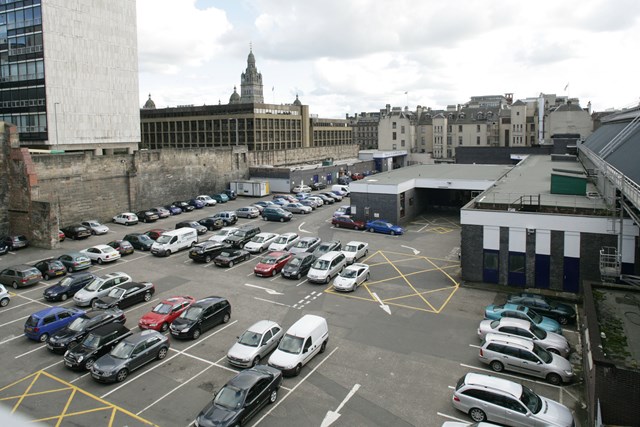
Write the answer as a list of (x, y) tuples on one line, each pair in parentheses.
[(75, 331), (563, 313), (185, 206), (211, 223), (201, 229), (68, 286), (130, 354), (76, 232), (97, 343), (140, 241), (231, 194), (122, 246), (4, 247), (51, 268), (207, 250), (16, 241), (147, 216), (242, 397), (126, 294), (203, 314), (318, 185), (326, 199), (298, 265), (229, 257), (242, 235)]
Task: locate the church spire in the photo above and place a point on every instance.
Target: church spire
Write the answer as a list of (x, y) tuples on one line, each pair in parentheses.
[(251, 87)]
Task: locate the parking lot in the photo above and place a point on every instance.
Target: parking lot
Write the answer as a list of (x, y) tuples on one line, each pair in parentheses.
[(397, 345)]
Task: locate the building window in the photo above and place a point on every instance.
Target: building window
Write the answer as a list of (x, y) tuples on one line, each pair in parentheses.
[(477, 140), (402, 129), (449, 128), (402, 143), (460, 140), (491, 261), (477, 128), (393, 125), (459, 128), (394, 136)]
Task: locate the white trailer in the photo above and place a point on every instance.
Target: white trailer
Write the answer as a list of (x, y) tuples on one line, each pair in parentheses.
[(250, 188)]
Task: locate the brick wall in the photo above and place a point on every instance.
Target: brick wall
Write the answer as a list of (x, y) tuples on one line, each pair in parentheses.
[(4, 180)]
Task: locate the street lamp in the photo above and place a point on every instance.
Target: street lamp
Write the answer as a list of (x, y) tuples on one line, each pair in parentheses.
[(55, 114)]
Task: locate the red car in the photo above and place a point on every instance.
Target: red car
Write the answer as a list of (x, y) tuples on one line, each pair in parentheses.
[(154, 233), (272, 263), (346, 222), (164, 313)]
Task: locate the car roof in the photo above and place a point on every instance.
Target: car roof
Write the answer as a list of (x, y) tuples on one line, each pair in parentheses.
[(310, 239), (288, 234), (508, 339), (142, 336), (355, 242), (93, 313), (262, 326), (302, 255), (109, 328), (244, 380), (206, 302), (107, 247), (21, 267), (53, 310), (176, 299), (130, 285), (513, 321), (495, 383), (356, 265), (331, 254), (115, 274)]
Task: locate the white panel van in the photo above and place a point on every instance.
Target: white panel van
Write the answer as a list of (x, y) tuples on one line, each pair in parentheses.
[(174, 241), (304, 339), (343, 188)]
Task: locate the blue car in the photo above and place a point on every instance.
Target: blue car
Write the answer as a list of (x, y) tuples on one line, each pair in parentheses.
[(382, 226), (495, 312), (198, 204), (173, 209), (302, 196), (40, 325), (281, 202)]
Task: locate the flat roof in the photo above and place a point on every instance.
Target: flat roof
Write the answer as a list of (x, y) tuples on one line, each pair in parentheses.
[(439, 171)]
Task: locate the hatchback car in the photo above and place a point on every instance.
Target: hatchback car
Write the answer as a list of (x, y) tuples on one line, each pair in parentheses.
[(487, 398), (231, 194), (200, 229), (98, 287), (154, 233), (297, 208), (165, 312), (75, 261), (68, 286), (207, 200), (347, 222), (310, 203), (211, 223), (206, 251), (15, 241), (75, 331), (271, 264), (41, 324), (130, 354), (173, 209), (326, 199), (241, 398), (5, 298), (203, 314), (97, 343), (335, 197), (183, 205), (284, 242), (230, 257), (261, 205), (228, 217), (122, 246), (51, 268), (325, 247), (126, 218), (255, 343), (20, 276), (101, 254), (76, 232), (355, 250), (220, 198), (248, 212), (563, 313), (95, 227), (298, 265), (276, 214), (260, 242), (161, 211), (385, 227), (125, 295), (327, 267), (495, 312), (301, 189), (147, 216), (221, 235), (351, 277), (306, 244), (139, 241), (198, 204), (318, 185)]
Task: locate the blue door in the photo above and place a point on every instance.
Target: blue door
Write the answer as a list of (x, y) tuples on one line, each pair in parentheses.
[(329, 178), (543, 271), (491, 263), (315, 178), (571, 282)]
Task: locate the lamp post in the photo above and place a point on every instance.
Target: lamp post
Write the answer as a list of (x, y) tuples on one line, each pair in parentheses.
[(55, 115)]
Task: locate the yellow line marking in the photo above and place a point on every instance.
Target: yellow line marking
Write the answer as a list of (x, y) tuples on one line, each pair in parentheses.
[(412, 307), (410, 274), (66, 408), (419, 293), (329, 291), (34, 394), (33, 381), (113, 417), (410, 285), (88, 411), (448, 299)]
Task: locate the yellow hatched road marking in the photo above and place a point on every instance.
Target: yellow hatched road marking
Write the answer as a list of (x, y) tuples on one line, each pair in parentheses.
[(409, 283)]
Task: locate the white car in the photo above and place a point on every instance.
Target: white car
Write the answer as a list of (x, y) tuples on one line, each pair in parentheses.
[(301, 189), (355, 250), (101, 253), (284, 242), (457, 424), (95, 227), (4, 296), (126, 218), (222, 234), (351, 277), (316, 199), (255, 343), (207, 200), (260, 242)]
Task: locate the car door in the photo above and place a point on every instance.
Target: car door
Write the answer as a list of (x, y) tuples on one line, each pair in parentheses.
[(266, 344), (515, 413), (139, 356), (510, 357), (308, 350), (256, 398), (62, 319), (530, 364), (48, 324), (208, 318)]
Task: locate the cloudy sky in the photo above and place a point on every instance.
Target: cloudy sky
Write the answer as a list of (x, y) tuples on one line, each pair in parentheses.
[(349, 56)]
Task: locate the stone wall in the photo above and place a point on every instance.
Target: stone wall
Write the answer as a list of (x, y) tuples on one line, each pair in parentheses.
[(302, 155), (4, 179)]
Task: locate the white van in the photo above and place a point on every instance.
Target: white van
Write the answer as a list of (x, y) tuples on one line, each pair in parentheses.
[(343, 188), (327, 267), (306, 338), (174, 241)]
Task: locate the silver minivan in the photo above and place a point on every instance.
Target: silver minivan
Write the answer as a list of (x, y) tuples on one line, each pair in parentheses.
[(327, 267), (502, 352)]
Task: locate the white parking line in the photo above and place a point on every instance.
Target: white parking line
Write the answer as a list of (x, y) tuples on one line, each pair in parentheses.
[(511, 376), (13, 321), (451, 417), (52, 365), (80, 377), (11, 339), (273, 302), (30, 351), (16, 306), (34, 300), (475, 346), (304, 281)]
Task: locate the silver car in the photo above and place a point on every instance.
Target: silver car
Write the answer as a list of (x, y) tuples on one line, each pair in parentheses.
[(248, 212), (260, 242), (255, 343), (284, 242), (503, 352), (510, 326), (99, 287), (4, 296), (95, 227)]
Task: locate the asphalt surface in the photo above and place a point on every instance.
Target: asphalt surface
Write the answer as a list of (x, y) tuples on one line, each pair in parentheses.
[(380, 369)]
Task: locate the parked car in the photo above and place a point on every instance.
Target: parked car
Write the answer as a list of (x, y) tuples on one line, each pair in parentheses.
[(165, 312), (227, 217), (122, 246), (355, 250), (326, 199), (98, 287), (326, 247), (220, 198), (351, 277), (96, 344), (75, 331), (298, 265), (495, 312), (231, 194), (126, 218), (5, 298), (242, 236), (68, 286), (147, 216), (309, 203), (130, 354), (4, 248), (284, 242), (318, 200), (248, 212), (347, 222), (183, 205), (200, 229), (207, 251), (344, 210), (563, 313), (61, 238), (318, 185), (306, 244), (271, 264), (50, 268), (264, 204), (125, 295), (101, 254), (15, 241), (76, 232), (276, 214), (203, 314), (281, 202), (140, 241), (207, 200), (302, 196), (335, 197), (211, 223), (221, 235), (260, 242), (382, 226), (356, 176), (154, 233), (297, 207), (161, 211), (487, 398), (19, 276), (197, 204), (327, 267), (75, 261), (230, 257), (242, 397), (95, 227), (173, 209), (301, 189), (41, 324), (255, 343)]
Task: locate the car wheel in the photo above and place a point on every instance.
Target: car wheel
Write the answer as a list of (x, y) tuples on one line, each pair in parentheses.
[(554, 379), (147, 297), (370, 230), (64, 297), (230, 264), (255, 361), (297, 370), (207, 259), (264, 218), (273, 396), (70, 269), (281, 219), (477, 415), (337, 225), (46, 276), (4, 302), (164, 327), (99, 260), (162, 353), (15, 285), (122, 375), (246, 257), (355, 227), (323, 347), (367, 278), (274, 272), (226, 317), (94, 302), (393, 233), (563, 320), (168, 252), (89, 363), (298, 276), (44, 337), (192, 244), (497, 366), (195, 334)]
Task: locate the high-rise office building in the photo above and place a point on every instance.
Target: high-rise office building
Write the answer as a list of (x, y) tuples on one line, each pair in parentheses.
[(69, 73)]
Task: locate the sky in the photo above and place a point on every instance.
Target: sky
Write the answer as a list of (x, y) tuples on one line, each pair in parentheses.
[(350, 56)]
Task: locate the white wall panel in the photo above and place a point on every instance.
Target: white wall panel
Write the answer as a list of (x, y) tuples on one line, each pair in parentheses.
[(628, 249), (517, 239), (491, 237), (572, 244), (543, 242)]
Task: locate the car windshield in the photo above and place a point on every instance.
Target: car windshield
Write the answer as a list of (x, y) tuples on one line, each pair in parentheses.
[(538, 332), (66, 282), (495, 324), (281, 239), (251, 339), (268, 260), (123, 350), (291, 344), (543, 354), (32, 321), (162, 308), (116, 292), (351, 248), (79, 324), (258, 239), (303, 244), (349, 274), (239, 233), (145, 238), (93, 224), (230, 397), (295, 262), (531, 400), (164, 239), (535, 316), (225, 254), (91, 341), (94, 285), (192, 313), (321, 264)]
